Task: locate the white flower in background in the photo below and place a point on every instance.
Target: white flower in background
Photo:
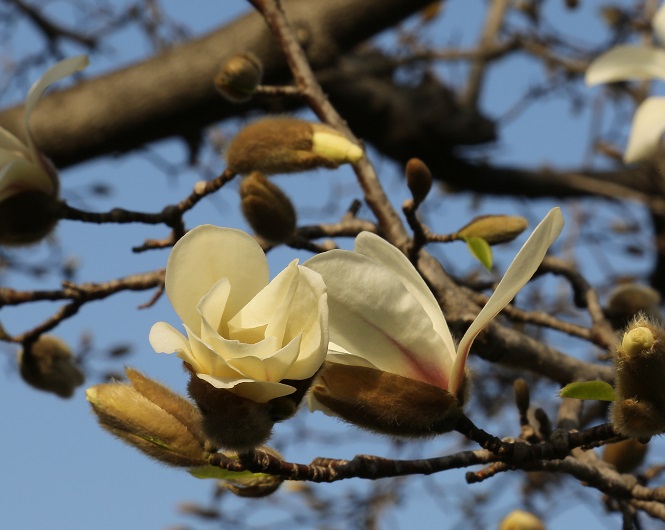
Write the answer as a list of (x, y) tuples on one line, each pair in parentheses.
[(622, 63), (384, 316), (26, 175), (244, 334)]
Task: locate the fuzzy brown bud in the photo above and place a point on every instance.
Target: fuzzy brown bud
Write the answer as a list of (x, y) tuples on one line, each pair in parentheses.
[(628, 300), (640, 371), (494, 229), (267, 208), (418, 179), (255, 485), (386, 403), (238, 77), (625, 455), (48, 364), (289, 145), (27, 217), (152, 418), (522, 396), (521, 520)]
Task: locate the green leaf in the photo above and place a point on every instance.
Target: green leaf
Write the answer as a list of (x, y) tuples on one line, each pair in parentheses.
[(218, 473), (480, 250), (599, 390)]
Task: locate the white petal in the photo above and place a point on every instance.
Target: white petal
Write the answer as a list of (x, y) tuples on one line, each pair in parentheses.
[(21, 175), (626, 62), (164, 338), (208, 360), (373, 315), (521, 270), (211, 306), (337, 354), (205, 255), (257, 391), (12, 143), (658, 24), (382, 252), (55, 73), (268, 368), (647, 129), (230, 348)]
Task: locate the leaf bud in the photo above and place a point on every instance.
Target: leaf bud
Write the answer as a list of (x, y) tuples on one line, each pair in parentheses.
[(494, 228), (625, 455), (48, 364), (521, 520), (267, 208), (238, 77), (418, 179), (254, 485), (640, 371), (152, 418), (289, 145), (384, 402), (628, 300)]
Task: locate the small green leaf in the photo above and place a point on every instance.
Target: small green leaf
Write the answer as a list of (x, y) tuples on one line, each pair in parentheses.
[(480, 250), (218, 473), (599, 390)]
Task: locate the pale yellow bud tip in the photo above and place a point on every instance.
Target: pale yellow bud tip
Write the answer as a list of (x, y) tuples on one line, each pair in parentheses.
[(637, 340), (335, 147), (91, 394)]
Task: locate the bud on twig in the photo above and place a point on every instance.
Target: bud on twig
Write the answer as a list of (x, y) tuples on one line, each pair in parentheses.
[(254, 485), (521, 520), (494, 229), (628, 300), (288, 145), (238, 77), (267, 208), (419, 180), (48, 364), (640, 371), (152, 418), (625, 455)]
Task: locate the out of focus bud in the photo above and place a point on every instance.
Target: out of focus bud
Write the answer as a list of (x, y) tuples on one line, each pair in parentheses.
[(522, 396), (384, 402), (289, 145), (267, 208), (238, 77), (625, 455), (640, 371), (48, 364), (494, 228), (628, 300), (521, 520), (418, 179), (152, 418)]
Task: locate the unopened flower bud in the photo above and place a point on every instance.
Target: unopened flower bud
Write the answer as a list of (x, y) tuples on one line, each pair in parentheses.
[(384, 402), (628, 300), (521, 520), (152, 418), (494, 228), (238, 77), (27, 217), (640, 371), (522, 396), (48, 364), (289, 145), (418, 179), (625, 455), (267, 208)]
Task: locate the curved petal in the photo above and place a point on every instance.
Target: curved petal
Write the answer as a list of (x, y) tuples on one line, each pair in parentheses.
[(626, 62), (205, 255), (164, 338), (55, 73), (647, 129), (211, 306), (20, 175), (12, 143), (658, 24), (373, 315), (520, 271), (273, 367), (257, 391), (382, 252)]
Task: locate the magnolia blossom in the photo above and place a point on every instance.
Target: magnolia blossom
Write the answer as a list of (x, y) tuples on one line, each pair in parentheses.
[(22, 166), (637, 62), (383, 315), (243, 334)]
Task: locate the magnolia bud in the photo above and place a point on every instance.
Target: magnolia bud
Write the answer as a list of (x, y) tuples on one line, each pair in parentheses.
[(27, 217), (238, 77), (48, 364), (521, 520), (494, 228), (288, 145), (626, 455), (628, 300), (384, 402), (418, 179), (640, 371), (267, 208), (522, 396), (152, 418), (254, 485)]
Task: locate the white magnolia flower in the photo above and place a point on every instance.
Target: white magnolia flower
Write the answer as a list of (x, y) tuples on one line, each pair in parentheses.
[(23, 167), (243, 333), (383, 315), (622, 63)]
